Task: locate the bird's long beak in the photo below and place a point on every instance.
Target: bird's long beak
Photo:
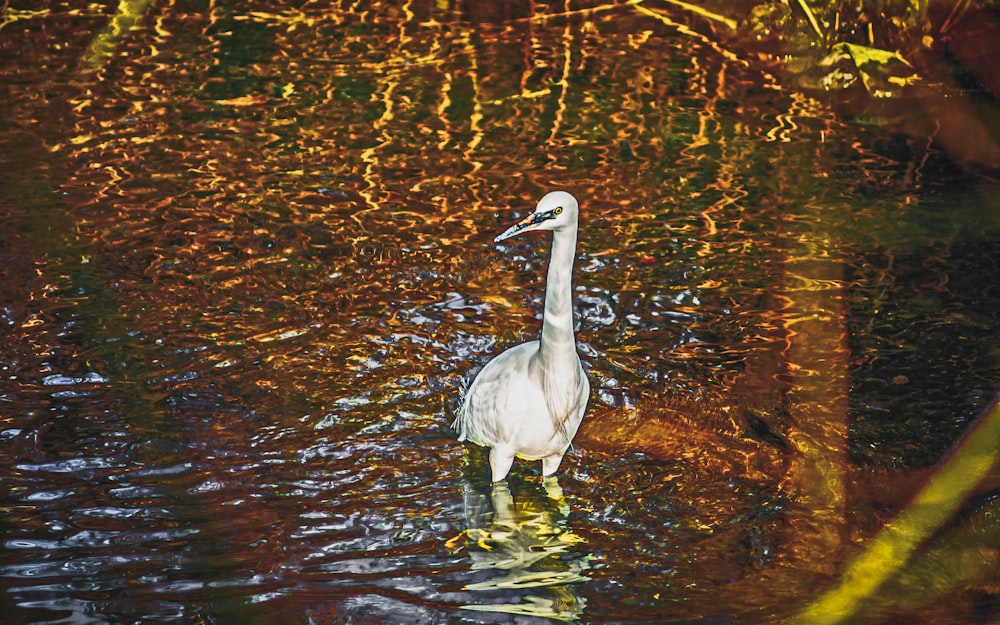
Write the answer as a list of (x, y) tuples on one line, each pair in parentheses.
[(525, 224)]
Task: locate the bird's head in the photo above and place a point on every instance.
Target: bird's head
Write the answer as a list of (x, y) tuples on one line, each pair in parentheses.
[(555, 211)]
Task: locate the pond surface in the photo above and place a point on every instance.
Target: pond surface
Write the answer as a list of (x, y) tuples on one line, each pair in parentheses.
[(247, 265)]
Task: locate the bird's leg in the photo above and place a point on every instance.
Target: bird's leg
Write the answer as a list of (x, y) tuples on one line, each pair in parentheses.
[(550, 464), (500, 460)]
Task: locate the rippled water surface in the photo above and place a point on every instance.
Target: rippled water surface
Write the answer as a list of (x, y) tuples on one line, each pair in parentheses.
[(247, 264)]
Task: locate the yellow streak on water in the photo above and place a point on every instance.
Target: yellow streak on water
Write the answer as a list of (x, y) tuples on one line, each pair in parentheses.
[(885, 555)]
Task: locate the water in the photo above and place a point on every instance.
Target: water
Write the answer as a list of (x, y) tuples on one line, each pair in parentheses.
[(248, 264)]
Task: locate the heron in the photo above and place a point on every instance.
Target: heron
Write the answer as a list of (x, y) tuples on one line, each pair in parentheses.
[(528, 402)]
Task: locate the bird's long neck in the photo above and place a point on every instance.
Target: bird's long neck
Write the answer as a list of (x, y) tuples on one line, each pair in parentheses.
[(557, 323)]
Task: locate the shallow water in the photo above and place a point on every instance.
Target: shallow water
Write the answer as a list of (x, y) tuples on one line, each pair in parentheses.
[(247, 265)]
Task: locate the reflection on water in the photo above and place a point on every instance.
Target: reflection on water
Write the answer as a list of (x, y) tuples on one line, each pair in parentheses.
[(245, 262), (528, 549)]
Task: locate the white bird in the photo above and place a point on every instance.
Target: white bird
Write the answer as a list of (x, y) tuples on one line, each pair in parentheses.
[(528, 401)]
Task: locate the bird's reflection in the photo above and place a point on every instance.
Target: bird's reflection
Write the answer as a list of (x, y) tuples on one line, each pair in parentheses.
[(525, 560)]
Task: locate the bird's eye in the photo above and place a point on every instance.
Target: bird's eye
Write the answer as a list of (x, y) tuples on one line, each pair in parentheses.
[(558, 210)]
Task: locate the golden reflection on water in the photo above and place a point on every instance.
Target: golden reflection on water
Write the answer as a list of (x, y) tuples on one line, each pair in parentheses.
[(530, 549), (889, 556)]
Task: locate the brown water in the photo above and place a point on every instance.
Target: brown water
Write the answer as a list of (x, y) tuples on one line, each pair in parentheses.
[(247, 265)]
